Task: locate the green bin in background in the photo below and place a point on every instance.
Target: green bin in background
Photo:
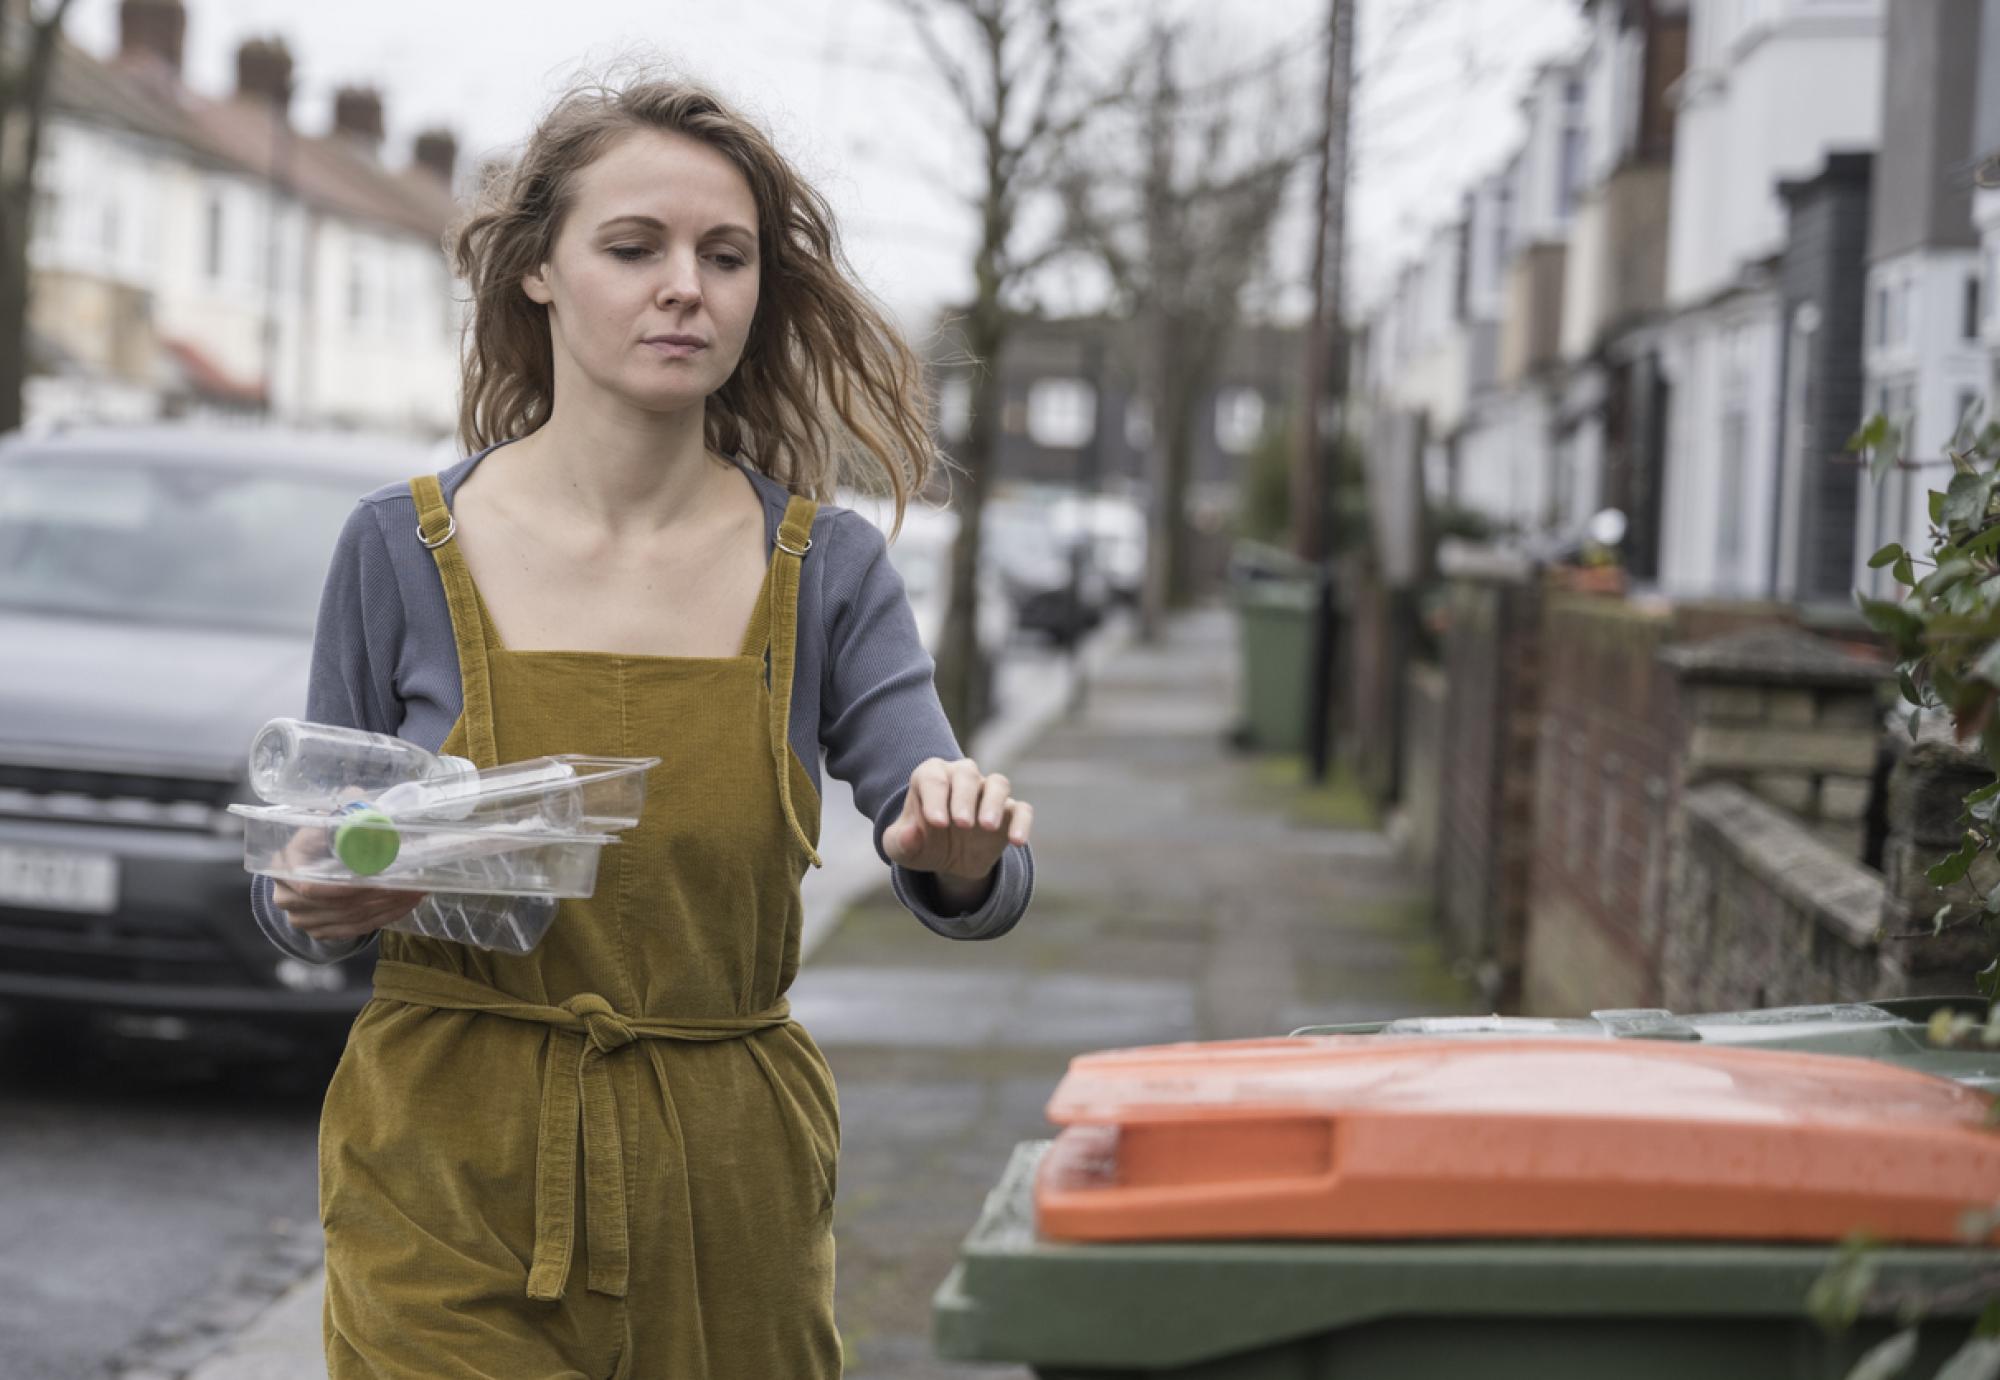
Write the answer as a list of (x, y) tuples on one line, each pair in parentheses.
[(1494, 1310), (1276, 630)]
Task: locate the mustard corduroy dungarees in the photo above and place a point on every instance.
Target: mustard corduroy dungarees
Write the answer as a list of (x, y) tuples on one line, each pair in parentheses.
[(615, 1156)]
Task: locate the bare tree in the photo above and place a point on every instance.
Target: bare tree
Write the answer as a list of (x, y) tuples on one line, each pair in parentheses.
[(29, 42), (1181, 230), (1014, 96)]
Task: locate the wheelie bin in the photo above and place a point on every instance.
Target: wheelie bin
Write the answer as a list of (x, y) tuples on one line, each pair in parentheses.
[(1639, 1195)]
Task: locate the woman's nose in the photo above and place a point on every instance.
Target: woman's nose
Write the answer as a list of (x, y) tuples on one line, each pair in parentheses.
[(680, 281)]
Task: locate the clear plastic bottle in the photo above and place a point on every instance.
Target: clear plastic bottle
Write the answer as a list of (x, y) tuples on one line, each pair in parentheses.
[(491, 810), (536, 793), (293, 762)]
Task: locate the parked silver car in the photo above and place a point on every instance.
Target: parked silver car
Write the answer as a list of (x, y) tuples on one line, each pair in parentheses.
[(158, 588)]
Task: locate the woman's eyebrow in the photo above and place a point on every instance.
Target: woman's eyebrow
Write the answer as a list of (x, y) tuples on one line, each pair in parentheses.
[(651, 223)]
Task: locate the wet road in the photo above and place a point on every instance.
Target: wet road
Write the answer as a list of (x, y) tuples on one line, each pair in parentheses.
[(148, 1196)]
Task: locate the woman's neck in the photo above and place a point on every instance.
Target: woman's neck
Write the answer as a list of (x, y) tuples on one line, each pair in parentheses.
[(625, 476)]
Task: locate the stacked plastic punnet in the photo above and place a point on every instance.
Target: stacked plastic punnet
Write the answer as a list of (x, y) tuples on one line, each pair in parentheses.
[(494, 849)]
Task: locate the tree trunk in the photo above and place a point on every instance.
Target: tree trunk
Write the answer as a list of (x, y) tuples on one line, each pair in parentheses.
[(24, 90), (14, 209), (1179, 455), (961, 669)]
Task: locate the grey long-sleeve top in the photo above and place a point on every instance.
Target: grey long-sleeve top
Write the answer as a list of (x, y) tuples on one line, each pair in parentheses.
[(384, 659)]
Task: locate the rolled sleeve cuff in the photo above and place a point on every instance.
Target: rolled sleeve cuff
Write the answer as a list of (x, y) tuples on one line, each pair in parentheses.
[(298, 944), (1013, 888)]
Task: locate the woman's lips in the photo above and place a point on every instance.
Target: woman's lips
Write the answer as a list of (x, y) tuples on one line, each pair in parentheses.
[(674, 349)]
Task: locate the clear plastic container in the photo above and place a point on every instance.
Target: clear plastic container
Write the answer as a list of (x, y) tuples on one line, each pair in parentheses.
[(543, 788), (507, 924), (493, 849), (295, 762), (491, 860)]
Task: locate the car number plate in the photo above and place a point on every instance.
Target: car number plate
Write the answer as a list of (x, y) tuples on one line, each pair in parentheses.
[(58, 879)]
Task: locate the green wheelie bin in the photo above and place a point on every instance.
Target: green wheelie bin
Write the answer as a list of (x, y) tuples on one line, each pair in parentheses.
[(1286, 1300)]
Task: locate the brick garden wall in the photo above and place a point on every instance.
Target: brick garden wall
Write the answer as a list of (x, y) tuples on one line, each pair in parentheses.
[(1764, 913), (1492, 669), (1637, 803), (1652, 701), (1610, 728), (1423, 765)]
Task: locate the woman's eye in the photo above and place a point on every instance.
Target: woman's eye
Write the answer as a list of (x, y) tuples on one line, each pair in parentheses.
[(627, 253), (730, 261)]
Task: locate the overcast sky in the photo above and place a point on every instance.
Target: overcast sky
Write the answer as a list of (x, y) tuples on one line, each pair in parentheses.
[(843, 86)]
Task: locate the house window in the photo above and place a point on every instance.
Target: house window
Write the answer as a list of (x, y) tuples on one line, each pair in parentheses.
[(1881, 317), (42, 215), (1061, 413), (1729, 528), (1572, 168), (1138, 425), (1239, 419), (1970, 328), (954, 408), (215, 229), (357, 291)]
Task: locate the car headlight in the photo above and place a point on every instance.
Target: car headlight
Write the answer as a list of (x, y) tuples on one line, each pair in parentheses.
[(309, 977)]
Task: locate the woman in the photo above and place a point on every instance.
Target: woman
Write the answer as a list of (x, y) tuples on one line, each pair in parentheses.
[(615, 1156)]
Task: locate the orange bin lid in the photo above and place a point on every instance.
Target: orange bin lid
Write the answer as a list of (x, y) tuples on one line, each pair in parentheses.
[(1361, 1136)]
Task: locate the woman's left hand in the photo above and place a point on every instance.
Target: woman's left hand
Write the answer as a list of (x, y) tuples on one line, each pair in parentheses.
[(956, 821)]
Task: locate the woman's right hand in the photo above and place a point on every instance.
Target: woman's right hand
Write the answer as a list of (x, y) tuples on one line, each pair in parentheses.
[(329, 912)]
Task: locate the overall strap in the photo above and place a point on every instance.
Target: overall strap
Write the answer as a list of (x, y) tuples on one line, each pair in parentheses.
[(782, 623), (436, 526)]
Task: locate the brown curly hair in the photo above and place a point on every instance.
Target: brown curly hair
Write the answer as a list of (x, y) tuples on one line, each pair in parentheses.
[(827, 389)]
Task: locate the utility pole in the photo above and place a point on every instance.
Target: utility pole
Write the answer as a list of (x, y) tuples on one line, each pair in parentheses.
[(1326, 353)]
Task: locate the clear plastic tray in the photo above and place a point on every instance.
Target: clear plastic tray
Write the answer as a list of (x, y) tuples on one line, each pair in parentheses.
[(297, 845), (613, 789)]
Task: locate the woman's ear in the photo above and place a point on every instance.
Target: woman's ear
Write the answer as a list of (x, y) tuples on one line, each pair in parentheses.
[(536, 285)]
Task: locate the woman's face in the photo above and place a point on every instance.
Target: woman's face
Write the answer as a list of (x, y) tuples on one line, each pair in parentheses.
[(652, 284)]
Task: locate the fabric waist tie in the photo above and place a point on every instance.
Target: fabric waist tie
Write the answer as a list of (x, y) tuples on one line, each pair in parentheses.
[(576, 1090)]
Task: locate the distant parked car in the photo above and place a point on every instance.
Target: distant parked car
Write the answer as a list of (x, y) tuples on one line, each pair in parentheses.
[(158, 588), (1049, 569), (1115, 530), (921, 553)]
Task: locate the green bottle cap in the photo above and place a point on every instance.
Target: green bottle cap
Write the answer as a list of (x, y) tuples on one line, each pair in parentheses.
[(366, 840)]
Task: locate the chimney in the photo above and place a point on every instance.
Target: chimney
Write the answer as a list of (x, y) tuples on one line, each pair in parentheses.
[(153, 30), (437, 151), (357, 114), (264, 72)]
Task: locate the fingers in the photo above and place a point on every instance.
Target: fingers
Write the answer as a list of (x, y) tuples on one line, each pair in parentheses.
[(993, 798), (1020, 819), (330, 912), (965, 784), (930, 786)]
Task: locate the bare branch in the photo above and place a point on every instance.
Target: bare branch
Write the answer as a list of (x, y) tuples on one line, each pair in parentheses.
[(956, 77)]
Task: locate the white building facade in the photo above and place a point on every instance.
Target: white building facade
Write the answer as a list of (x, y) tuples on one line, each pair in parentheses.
[(202, 256), (1772, 88), (1923, 359)]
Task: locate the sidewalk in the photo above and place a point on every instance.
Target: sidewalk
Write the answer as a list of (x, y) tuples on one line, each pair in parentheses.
[(1183, 893)]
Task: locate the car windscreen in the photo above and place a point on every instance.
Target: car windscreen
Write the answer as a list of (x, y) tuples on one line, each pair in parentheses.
[(169, 543)]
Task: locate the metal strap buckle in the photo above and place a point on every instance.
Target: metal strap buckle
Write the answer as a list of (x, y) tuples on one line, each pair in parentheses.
[(789, 551), (451, 527)]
